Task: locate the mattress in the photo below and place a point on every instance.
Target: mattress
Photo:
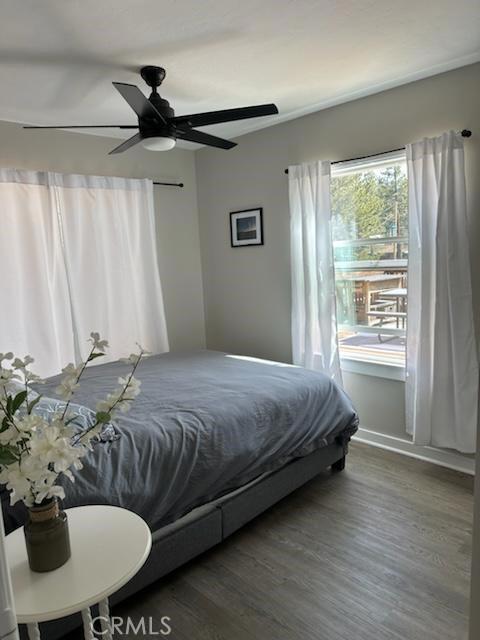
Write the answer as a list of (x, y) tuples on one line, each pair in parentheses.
[(205, 423)]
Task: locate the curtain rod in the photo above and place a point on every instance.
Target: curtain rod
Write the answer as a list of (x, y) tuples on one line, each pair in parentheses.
[(169, 184), (465, 133)]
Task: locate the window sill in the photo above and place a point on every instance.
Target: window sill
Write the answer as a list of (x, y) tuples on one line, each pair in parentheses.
[(376, 369)]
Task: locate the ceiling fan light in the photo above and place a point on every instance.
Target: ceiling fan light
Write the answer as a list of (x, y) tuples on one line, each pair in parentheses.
[(158, 143)]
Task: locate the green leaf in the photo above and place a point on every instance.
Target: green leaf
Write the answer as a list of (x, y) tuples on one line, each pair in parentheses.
[(32, 404), (5, 423), (103, 417), (95, 355), (7, 456), (9, 406), (19, 400)]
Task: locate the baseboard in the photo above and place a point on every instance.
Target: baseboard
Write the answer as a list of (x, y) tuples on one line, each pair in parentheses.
[(444, 458)]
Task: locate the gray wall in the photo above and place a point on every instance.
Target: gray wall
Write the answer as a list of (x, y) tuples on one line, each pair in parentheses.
[(175, 209), (247, 290)]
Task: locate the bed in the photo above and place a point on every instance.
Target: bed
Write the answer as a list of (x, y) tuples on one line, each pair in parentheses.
[(213, 440)]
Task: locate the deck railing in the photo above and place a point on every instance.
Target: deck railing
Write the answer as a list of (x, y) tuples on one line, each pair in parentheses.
[(386, 264)]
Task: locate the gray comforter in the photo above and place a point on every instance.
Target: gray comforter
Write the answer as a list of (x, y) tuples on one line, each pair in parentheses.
[(205, 423)]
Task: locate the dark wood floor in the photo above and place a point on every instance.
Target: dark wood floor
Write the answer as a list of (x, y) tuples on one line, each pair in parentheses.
[(380, 551)]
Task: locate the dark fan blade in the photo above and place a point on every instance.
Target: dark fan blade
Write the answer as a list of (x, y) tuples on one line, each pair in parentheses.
[(84, 126), (127, 144), (138, 101), (226, 115), (205, 138)]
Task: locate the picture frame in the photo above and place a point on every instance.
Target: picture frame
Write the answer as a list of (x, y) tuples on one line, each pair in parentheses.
[(246, 227)]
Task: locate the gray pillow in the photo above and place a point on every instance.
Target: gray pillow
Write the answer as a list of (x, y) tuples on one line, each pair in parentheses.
[(84, 417)]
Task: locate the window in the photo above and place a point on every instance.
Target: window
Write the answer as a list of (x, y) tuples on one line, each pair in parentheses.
[(370, 238)]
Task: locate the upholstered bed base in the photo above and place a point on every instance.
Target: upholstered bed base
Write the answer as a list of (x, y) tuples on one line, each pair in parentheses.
[(176, 544)]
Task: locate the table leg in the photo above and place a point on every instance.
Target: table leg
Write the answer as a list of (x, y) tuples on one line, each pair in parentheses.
[(87, 624), (33, 631), (105, 619)]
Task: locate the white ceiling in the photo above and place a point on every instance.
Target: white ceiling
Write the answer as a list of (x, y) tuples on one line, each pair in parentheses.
[(59, 57)]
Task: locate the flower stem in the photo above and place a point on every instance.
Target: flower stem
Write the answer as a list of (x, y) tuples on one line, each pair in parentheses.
[(117, 401), (84, 365)]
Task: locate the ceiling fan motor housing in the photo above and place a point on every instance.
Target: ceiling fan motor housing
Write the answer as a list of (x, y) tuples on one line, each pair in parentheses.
[(151, 127), (153, 76)]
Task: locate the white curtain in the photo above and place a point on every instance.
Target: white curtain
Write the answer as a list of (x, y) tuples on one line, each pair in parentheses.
[(314, 321), (77, 254), (442, 364), (35, 315)]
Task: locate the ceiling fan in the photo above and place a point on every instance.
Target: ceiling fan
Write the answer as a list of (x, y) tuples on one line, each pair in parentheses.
[(159, 128)]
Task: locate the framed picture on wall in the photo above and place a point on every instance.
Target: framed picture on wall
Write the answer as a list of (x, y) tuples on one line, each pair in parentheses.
[(246, 227)]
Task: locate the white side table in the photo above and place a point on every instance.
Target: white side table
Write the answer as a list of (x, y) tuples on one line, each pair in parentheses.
[(109, 546)]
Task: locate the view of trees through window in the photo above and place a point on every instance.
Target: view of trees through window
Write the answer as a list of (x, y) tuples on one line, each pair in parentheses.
[(370, 233)]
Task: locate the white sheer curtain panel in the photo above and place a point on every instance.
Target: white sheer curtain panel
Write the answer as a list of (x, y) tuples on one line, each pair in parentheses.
[(77, 254), (35, 316), (108, 232), (442, 363), (314, 321)]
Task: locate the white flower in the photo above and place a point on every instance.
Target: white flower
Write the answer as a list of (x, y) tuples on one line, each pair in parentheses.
[(132, 389), (103, 406), (121, 398), (123, 406), (6, 356), (69, 382), (132, 359), (51, 446), (69, 475), (50, 491), (71, 370), (131, 393), (66, 387), (44, 487), (43, 444), (30, 423), (143, 351), (6, 376), (10, 436), (32, 377), (22, 364), (66, 455), (97, 342), (35, 469), (18, 483), (132, 384)]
